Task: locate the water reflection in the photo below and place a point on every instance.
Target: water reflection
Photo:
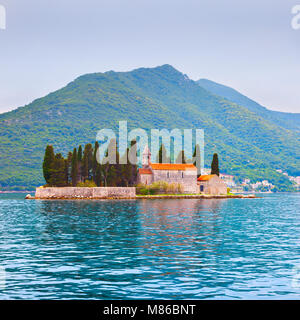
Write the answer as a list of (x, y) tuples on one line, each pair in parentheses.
[(183, 248), (180, 223)]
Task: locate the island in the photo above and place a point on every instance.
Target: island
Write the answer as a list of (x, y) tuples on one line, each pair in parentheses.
[(83, 176)]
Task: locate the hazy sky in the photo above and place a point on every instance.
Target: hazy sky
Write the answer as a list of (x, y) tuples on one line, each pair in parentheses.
[(246, 44)]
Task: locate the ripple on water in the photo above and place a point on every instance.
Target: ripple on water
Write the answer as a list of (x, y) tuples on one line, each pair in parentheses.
[(164, 249)]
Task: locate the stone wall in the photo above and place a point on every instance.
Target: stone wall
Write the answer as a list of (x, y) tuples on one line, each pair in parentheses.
[(187, 178), (85, 193)]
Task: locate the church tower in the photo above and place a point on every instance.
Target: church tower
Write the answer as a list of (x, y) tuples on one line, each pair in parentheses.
[(146, 157)]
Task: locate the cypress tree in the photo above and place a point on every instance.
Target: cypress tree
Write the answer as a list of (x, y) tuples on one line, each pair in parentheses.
[(87, 162), (111, 176), (197, 159), (162, 155), (105, 168), (181, 157), (132, 166), (95, 162), (114, 177), (132, 154), (58, 178), (215, 165), (98, 175), (124, 176), (108, 162), (125, 170), (79, 154), (79, 165), (97, 172), (68, 167), (74, 170), (48, 162), (118, 167)]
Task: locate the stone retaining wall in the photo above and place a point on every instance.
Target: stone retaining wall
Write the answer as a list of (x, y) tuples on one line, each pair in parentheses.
[(85, 193)]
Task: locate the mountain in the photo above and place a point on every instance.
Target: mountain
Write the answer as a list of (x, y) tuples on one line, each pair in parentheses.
[(249, 146), (290, 121)]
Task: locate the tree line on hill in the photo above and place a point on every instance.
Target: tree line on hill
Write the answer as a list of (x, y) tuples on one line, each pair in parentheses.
[(83, 168)]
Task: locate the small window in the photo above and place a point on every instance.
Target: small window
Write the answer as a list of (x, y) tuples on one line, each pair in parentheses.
[(201, 188), (168, 174), (182, 174)]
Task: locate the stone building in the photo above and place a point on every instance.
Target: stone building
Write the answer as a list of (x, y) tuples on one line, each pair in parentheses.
[(212, 184), (184, 174)]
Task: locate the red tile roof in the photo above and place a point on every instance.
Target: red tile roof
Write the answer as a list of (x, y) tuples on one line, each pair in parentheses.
[(145, 171), (206, 177), (173, 166)]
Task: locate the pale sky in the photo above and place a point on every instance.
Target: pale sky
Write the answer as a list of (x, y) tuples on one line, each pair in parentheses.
[(248, 45)]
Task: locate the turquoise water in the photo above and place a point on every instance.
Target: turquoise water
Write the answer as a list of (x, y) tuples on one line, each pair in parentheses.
[(150, 249)]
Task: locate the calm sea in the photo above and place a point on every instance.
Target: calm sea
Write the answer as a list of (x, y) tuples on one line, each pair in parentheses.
[(159, 249)]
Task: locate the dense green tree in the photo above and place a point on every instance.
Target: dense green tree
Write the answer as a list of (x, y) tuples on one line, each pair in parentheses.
[(79, 154), (95, 162), (125, 169), (98, 175), (114, 176), (132, 154), (107, 162), (48, 162), (58, 178), (74, 170), (129, 170), (115, 173), (215, 165), (68, 168), (79, 164), (105, 169), (119, 171), (87, 162), (133, 166), (118, 167)]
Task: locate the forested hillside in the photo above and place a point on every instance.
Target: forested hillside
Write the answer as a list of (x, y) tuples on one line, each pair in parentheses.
[(249, 145)]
